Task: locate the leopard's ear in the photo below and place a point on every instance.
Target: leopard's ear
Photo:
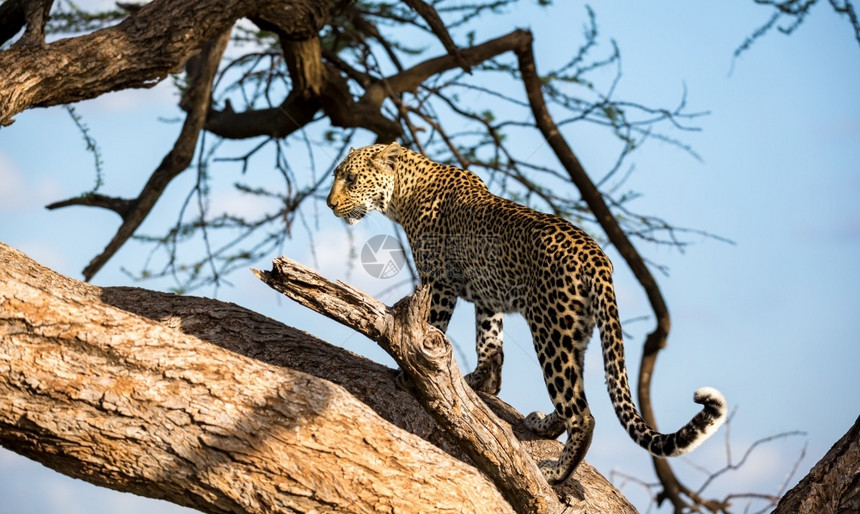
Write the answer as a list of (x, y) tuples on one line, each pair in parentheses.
[(351, 149), (390, 152), (388, 155)]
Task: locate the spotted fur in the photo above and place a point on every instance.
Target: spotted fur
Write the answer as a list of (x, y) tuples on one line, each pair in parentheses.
[(504, 257)]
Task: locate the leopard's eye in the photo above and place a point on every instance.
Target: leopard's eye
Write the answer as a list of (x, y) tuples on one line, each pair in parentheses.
[(349, 179)]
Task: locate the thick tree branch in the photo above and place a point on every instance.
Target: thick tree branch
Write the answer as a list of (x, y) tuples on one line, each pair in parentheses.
[(261, 338), (833, 484), (199, 445), (410, 79), (428, 12), (281, 121), (12, 18), (304, 63), (316, 86), (139, 52), (104, 395), (36, 16), (343, 111)]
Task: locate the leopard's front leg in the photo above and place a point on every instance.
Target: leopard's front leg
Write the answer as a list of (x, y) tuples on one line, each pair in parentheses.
[(487, 376)]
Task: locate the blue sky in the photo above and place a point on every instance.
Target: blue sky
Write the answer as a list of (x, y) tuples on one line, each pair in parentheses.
[(771, 320)]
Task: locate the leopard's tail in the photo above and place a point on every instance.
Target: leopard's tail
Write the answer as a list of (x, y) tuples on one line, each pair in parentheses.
[(691, 435)]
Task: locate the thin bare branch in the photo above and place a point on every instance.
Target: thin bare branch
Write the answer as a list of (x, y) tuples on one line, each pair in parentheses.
[(174, 163), (428, 12), (121, 206), (410, 79)]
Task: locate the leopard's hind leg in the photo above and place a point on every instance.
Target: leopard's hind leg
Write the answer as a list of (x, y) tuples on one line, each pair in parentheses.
[(561, 348)]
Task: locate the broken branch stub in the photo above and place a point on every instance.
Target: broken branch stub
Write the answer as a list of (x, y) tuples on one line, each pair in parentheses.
[(425, 354)]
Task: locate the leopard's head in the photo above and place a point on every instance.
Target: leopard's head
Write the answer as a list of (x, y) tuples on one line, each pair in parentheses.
[(364, 181)]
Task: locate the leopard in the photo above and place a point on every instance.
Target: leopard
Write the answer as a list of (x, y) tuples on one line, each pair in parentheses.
[(468, 243)]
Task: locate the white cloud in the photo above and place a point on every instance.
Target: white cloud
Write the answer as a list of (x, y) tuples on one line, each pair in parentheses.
[(162, 94), (333, 245), (17, 193), (239, 204), (12, 190)]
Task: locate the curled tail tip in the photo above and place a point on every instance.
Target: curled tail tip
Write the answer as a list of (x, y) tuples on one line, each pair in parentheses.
[(708, 394), (703, 425), (713, 401)]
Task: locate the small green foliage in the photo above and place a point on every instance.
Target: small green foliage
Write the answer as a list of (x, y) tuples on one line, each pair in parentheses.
[(788, 15)]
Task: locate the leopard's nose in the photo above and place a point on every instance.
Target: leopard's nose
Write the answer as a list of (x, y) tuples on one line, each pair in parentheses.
[(330, 202)]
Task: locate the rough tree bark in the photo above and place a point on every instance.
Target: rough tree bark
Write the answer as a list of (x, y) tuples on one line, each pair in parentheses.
[(211, 406), (833, 485), (139, 52)]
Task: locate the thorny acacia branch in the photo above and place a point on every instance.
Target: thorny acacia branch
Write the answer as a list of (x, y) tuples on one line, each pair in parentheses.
[(133, 212)]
